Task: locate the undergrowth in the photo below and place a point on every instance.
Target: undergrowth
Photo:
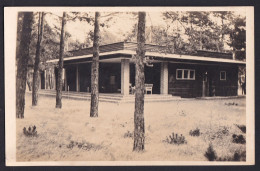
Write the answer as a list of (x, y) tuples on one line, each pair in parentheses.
[(175, 139), (211, 155), (83, 145), (241, 127), (238, 139), (31, 132), (195, 132)]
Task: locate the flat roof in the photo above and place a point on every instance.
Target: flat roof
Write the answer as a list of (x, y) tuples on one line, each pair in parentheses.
[(158, 55)]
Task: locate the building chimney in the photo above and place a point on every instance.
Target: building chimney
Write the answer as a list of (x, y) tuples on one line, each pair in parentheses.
[(234, 55)]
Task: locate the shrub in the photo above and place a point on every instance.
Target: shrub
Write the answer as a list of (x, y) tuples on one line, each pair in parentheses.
[(128, 134), (210, 154), (31, 132), (83, 145), (238, 156), (175, 139), (195, 132), (222, 131), (231, 104), (242, 128), (239, 139)]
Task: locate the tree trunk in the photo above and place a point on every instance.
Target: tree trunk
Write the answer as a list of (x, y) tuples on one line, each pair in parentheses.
[(35, 86), (95, 69), (139, 83), (60, 67), (200, 37), (222, 30), (22, 64)]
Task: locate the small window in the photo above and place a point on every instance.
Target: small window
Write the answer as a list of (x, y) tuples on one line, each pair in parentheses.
[(179, 74), (185, 74), (192, 74), (222, 75)]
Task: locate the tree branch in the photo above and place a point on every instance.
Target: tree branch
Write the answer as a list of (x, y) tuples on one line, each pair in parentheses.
[(111, 14)]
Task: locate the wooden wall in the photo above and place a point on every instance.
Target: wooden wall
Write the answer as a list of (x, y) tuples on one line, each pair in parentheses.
[(193, 88)]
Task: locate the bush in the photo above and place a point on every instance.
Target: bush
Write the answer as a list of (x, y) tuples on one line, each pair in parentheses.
[(195, 132), (222, 131), (128, 134), (242, 128), (175, 139), (210, 154), (31, 132), (83, 145), (238, 139), (231, 104), (238, 156)]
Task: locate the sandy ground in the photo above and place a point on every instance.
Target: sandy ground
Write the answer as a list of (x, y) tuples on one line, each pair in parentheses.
[(61, 131)]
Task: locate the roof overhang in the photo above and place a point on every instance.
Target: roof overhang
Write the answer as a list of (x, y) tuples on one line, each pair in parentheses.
[(158, 56)]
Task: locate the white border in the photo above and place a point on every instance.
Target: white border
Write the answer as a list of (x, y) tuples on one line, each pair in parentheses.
[(250, 87), (10, 26)]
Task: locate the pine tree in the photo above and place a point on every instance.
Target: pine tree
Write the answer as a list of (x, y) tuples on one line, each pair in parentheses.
[(139, 129), (60, 67), (37, 61), (22, 63), (95, 69)]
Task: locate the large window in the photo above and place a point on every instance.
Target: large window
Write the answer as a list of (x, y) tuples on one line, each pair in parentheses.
[(223, 75), (185, 74)]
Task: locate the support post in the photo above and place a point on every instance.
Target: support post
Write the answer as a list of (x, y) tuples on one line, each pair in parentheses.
[(125, 76), (164, 78), (45, 84), (64, 79), (77, 78)]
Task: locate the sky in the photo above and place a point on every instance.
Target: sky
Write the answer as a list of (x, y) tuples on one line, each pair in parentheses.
[(120, 25)]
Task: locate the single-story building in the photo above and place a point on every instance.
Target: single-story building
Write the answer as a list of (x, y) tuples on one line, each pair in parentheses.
[(205, 73)]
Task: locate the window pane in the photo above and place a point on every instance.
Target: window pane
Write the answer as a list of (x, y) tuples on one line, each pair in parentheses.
[(179, 73), (192, 74), (185, 73), (222, 75)]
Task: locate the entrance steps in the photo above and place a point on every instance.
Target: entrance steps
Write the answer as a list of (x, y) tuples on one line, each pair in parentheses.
[(109, 97)]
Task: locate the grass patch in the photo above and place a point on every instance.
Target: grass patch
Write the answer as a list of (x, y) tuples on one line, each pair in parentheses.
[(221, 132), (83, 145), (238, 156), (58, 127), (211, 155)]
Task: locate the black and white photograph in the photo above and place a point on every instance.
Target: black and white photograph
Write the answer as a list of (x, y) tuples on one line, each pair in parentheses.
[(129, 86)]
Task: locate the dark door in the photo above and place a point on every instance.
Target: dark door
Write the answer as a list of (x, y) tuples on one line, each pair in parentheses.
[(205, 84), (42, 80)]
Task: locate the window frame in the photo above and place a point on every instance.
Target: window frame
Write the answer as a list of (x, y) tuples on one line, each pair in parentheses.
[(182, 74), (223, 79)]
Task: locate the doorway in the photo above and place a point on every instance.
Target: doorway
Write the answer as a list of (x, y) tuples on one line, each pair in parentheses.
[(205, 84), (208, 89)]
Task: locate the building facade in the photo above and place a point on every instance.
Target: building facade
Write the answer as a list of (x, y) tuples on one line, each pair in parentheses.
[(203, 74)]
